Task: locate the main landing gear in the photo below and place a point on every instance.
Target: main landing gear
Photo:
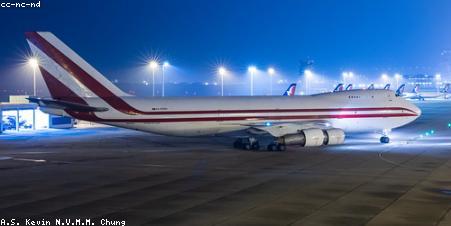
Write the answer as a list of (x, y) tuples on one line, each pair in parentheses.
[(385, 139), (251, 143), (276, 147), (247, 143)]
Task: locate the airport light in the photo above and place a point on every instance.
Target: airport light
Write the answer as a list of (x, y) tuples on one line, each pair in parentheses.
[(153, 66), (222, 71), (252, 70), (449, 125), (308, 74), (346, 75), (34, 64), (384, 77), (163, 67), (271, 72)]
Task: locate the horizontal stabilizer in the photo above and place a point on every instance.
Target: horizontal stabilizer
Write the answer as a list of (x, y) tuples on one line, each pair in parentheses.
[(65, 105)]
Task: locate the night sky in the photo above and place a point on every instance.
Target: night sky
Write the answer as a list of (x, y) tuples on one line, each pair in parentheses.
[(117, 37)]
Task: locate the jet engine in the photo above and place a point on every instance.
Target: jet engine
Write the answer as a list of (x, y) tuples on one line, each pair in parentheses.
[(334, 136), (314, 137)]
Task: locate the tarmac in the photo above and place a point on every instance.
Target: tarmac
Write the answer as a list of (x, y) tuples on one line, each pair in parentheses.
[(145, 179)]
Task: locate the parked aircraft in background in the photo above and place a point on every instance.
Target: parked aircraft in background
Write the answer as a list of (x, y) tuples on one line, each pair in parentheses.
[(416, 94), (349, 87), (338, 88), (291, 91), (386, 87)]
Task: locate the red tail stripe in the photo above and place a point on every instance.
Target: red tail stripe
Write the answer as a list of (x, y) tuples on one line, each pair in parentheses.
[(58, 90), (81, 75)]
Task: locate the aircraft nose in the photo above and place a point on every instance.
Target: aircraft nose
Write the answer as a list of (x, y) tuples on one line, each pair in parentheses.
[(415, 109)]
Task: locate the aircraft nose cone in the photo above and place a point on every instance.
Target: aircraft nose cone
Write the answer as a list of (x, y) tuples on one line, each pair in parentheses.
[(416, 109)]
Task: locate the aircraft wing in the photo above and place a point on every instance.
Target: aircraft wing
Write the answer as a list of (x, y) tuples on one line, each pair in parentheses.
[(282, 129)]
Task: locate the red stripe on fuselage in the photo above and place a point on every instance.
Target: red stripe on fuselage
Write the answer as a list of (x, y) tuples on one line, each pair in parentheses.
[(261, 118), (277, 111)]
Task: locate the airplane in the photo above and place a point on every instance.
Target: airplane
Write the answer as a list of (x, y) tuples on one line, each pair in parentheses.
[(291, 91), (386, 87), (78, 90), (338, 88), (417, 95)]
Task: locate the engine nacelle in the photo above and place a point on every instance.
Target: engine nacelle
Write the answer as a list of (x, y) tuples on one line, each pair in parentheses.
[(334, 136), (292, 139), (313, 137), (306, 138)]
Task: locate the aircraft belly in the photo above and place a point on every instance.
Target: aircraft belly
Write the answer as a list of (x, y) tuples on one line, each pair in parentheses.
[(181, 128)]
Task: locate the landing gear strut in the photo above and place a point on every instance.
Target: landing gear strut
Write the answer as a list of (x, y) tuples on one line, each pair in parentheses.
[(385, 139), (247, 143)]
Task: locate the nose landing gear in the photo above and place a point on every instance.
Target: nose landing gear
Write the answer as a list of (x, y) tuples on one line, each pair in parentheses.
[(385, 139)]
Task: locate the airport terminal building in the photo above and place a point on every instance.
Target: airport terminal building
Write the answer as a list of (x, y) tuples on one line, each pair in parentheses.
[(19, 115)]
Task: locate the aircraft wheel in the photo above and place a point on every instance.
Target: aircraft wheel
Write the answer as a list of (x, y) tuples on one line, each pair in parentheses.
[(272, 147), (255, 146), (281, 147), (385, 140)]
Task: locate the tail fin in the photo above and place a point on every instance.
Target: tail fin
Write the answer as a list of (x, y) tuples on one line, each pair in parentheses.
[(371, 86), (400, 90), (416, 88), (339, 88), (387, 87), (349, 87), (60, 65), (291, 90), (446, 88)]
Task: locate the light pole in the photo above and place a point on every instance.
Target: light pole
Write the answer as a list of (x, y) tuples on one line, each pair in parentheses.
[(271, 72), (33, 62), (165, 65), (438, 78), (153, 66), (222, 71), (397, 77), (308, 75), (252, 70), (344, 75), (384, 77)]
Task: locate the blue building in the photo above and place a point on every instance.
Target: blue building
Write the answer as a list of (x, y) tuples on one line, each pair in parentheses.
[(20, 115)]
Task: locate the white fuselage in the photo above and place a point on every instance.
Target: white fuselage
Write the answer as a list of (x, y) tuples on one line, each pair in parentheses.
[(354, 110)]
